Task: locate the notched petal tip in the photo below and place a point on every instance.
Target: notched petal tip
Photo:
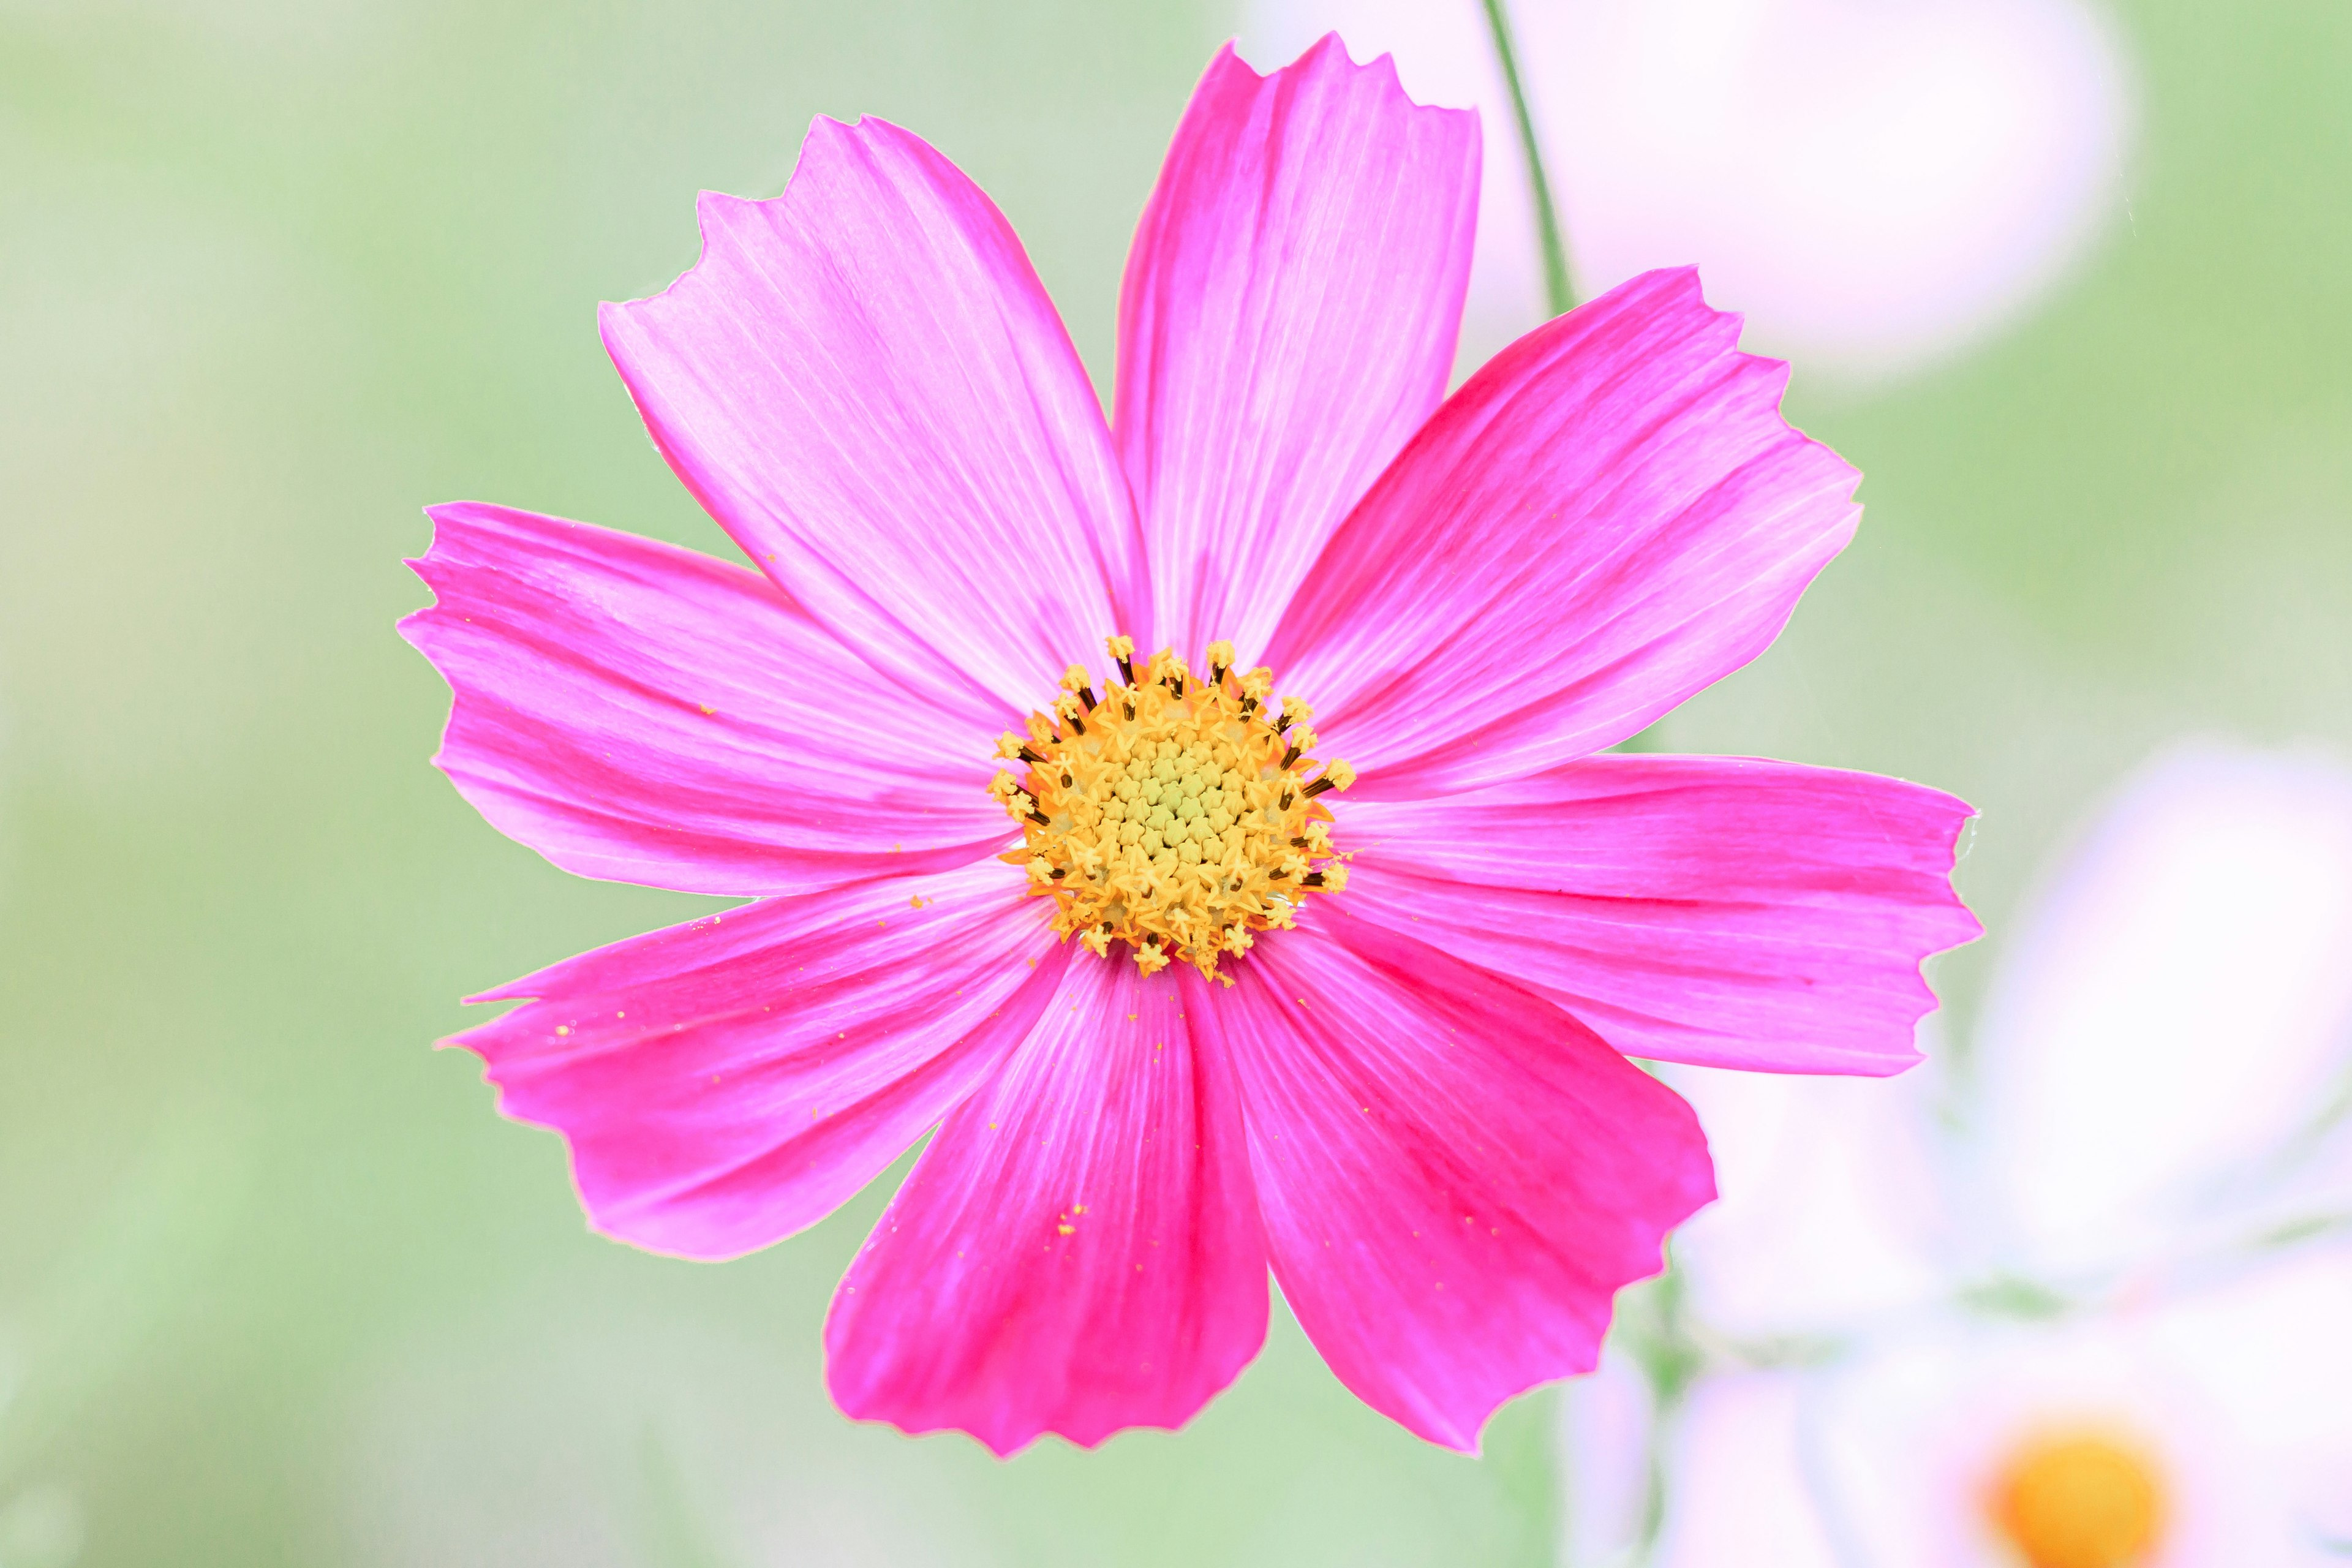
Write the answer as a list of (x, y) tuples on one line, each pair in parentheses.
[(717, 213), (1003, 1446), (520, 990), (445, 517), (1331, 55), (1686, 284), (1382, 70)]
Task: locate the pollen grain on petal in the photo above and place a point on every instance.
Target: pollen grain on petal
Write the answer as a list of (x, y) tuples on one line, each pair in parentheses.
[(1176, 811)]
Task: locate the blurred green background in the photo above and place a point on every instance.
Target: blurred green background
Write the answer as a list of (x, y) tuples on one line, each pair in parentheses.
[(275, 1286)]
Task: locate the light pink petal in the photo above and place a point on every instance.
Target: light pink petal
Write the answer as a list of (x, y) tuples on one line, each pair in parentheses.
[(1079, 1250), (1456, 1177), (727, 1082), (865, 382), (1711, 910), (1607, 518), (1288, 319), (634, 710)]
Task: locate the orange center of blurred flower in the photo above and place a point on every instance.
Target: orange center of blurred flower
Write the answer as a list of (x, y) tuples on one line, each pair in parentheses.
[(2079, 1500), (1173, 813)]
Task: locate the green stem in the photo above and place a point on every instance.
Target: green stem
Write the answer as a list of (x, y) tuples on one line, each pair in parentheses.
[(1548, 237)]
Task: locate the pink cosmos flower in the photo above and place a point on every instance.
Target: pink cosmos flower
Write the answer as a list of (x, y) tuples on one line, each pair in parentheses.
[(1377, 1041)]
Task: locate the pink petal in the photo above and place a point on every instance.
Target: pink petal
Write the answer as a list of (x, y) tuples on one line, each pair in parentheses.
[(1287, 321), (1079, 1250), (1455, 1176), (1607, 518), (1710, 909), (865, 382), (634, 710), (727, 1082)]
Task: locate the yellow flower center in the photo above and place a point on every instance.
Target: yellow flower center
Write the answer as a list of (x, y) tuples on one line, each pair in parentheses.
[(1174, 814), (2081, 1499)]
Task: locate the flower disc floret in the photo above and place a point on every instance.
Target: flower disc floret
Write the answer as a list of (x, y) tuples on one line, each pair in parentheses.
[(1175, 814), (2080, 1499)]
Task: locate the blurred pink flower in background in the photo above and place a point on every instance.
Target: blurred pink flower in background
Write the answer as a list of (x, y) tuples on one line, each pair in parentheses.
[(1875, 186), (1412, 1103), (2125, 1217)]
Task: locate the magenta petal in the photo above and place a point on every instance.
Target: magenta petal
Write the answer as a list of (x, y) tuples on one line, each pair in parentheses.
[(1711, 910), (1287, 321), (1455, 1176), (727, 1082), (865, 382), (1079, 1250), (634, 710), (1609, 516)]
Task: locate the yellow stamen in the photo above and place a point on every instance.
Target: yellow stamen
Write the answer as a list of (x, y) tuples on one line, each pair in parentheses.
[(1173, 813), (2079, 1499)]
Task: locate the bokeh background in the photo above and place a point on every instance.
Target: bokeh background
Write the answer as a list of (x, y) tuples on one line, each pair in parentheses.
[(275, 1286)]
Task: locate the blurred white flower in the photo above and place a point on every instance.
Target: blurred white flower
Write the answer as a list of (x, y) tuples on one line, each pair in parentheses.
[(1875, 185), (2173, 1437), (2168, 1031), (2078, 1302)]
